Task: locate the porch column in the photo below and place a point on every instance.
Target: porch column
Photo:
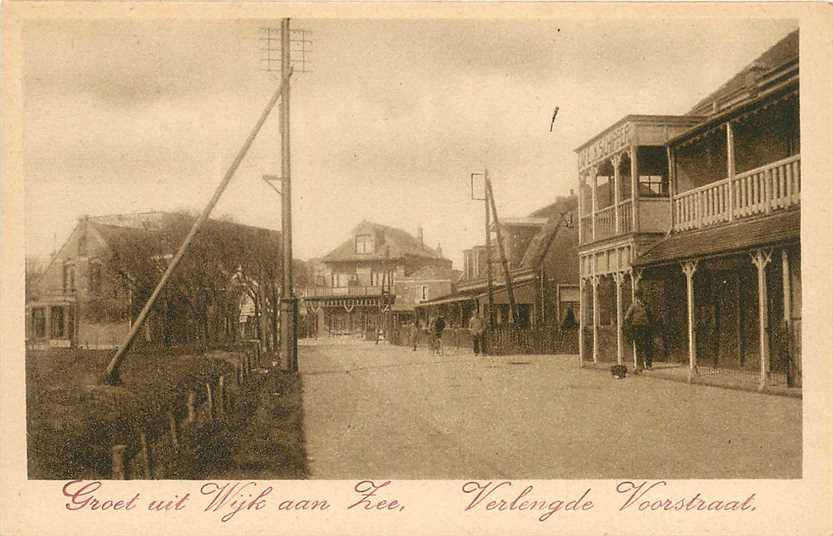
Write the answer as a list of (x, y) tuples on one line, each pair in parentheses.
[(615, 161), (672, 186), (730, 165), (619, 278), (689, 268), (581, 190), (594, 172), (787, 284), (761, 259), (636, 277), (634, 189), (582, 308), (594, 280), (788, 306)]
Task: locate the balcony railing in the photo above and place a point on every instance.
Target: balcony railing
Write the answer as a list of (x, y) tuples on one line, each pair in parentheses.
[(326, 292), (587, 227), (605, 222), (626, 216), (758, 191)]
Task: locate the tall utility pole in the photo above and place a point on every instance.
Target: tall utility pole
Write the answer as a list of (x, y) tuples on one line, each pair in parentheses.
[(111, 376), (507, 275), (489, 285), (491, 307), (289, 306)]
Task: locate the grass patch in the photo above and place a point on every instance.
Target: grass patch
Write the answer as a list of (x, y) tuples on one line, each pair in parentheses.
[(73, 421)]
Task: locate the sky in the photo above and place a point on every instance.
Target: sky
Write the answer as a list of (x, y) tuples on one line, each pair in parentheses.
[(132, 116)]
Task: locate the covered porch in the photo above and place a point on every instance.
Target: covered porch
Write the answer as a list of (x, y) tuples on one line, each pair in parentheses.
[(731, 299)]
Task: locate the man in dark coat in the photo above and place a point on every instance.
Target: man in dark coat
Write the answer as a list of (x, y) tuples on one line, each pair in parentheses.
[(638, 320)]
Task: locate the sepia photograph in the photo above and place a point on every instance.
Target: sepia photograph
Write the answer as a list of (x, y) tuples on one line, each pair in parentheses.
[(417, 249), (311, 248)]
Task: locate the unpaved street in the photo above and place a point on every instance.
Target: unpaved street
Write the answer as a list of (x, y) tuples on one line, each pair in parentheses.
[(385, 411)]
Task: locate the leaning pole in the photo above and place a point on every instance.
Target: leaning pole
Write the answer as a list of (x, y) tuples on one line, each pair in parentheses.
[(111, 376)]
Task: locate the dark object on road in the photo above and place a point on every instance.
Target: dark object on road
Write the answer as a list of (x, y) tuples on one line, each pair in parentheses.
[(619, 371)]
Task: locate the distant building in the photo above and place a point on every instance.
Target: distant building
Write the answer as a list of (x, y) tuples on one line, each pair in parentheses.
[(84, 299), (541, 255), (378, 270)]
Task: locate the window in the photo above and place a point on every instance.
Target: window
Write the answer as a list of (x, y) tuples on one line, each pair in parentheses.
[(424, 293), (94, 277), (653, 186), (39, 322), (57, 322), (69, 277), (364, 244)]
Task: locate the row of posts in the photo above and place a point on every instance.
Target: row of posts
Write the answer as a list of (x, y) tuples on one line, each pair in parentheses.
[(760, 258), (218, 402)]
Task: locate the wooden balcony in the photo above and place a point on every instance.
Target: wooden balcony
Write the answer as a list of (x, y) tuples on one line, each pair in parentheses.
[(625, 216), (759, 191), (338, 292), (604, 223)]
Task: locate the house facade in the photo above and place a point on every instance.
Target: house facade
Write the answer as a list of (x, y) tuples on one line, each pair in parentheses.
[(376, 276), (715, 241), (95, 285)]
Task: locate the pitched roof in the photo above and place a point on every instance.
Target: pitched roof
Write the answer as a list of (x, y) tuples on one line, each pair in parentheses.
[(395, 243), (129, 231), (784, 51), (432, 271), (725, 239), (540, 243)]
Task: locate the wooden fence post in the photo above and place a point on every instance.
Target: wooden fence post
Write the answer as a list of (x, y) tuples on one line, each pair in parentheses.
[(237, 375), (192, 407), (173, 430), (221, 396), (210, 400), (118, 462), (147, 469)]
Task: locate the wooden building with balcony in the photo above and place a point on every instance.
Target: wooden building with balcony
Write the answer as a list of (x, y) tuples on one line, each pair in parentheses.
[(376, 274), (707, 224), (624, 194), (730, 269)]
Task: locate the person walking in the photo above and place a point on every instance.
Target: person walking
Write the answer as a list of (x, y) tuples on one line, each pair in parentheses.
[(438, 328), (476, 329), (638, 322), (414, 334)]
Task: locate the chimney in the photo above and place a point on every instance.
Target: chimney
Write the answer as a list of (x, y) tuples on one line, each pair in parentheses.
[(439, 249), (419, 235), (752, 75)]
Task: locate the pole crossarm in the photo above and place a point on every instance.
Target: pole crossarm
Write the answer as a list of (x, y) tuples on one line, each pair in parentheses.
[(112, 373)]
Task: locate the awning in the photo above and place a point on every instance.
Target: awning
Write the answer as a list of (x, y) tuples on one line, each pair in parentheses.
[(499, 293), (724, 240)]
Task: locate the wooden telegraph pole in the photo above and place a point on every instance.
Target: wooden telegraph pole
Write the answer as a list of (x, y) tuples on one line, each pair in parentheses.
[(503, 260), (289, 306), (111, 376), (491, 306)]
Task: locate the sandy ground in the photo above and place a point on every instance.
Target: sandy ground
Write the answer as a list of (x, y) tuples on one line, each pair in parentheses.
[(384, 411)]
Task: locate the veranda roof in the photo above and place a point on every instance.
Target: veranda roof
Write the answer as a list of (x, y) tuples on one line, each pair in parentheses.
[(724, 240)]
